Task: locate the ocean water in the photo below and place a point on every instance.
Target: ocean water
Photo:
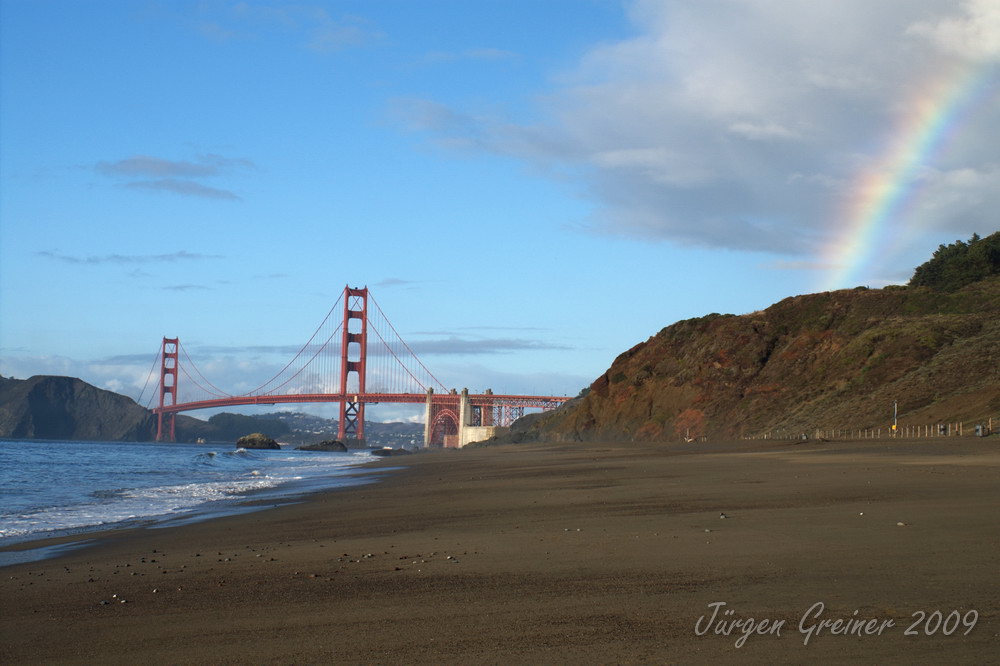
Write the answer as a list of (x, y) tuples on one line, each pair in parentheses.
[(50, 488)]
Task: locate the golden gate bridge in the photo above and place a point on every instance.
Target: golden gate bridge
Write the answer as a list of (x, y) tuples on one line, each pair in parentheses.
[(355, 360)]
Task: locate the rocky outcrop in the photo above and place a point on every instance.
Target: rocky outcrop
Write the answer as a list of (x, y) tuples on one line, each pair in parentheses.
[(49, 407), (256, 441), (325, 445)]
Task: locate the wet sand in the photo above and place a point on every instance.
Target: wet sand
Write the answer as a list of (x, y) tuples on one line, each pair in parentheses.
[(555, 554)]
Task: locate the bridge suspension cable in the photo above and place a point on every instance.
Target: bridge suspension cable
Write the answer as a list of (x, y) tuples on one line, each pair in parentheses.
[(392, 365), (337, 364), (429, 378), (218, 393), (152, 368), (260, 390)]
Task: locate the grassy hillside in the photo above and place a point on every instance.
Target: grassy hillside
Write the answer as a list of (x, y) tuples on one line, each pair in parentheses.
[(830, 360)]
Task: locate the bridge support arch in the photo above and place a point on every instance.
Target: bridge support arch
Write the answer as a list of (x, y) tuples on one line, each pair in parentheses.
[(453, 421)]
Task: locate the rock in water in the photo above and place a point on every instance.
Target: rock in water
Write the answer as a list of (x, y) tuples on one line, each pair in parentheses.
[(256, 441), (388, 452), (325, 445)]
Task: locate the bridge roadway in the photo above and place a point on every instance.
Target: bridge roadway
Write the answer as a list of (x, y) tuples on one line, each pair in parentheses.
[(440, 408), (478, 400)]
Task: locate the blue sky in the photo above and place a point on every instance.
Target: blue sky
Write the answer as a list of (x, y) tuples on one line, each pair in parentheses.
[(549, 182)]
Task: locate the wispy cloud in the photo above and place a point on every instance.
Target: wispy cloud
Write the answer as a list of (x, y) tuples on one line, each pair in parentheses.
[(121, 259), (176, 176), (208, 164), (126, 359), (470, 54), (144, 165), (394, 282), (503, 328), (800, 266), (185, 187), (186, 287), (312, 27), (331, 36), (223, 350), (459, 346), (223, 162), (445, 346)]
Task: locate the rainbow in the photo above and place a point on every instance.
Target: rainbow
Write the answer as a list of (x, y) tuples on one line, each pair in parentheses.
[(879, 194)]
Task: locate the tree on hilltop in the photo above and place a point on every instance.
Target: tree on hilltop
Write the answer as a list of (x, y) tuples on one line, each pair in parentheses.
[(958, 264)]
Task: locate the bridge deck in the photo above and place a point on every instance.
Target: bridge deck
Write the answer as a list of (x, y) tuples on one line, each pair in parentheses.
[(480, 399)]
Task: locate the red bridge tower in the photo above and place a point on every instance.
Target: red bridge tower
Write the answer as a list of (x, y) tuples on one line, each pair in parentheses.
[(353, 355), (168, 387)]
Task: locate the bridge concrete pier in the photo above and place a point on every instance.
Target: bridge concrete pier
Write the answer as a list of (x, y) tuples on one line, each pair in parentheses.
[(455, 411), (467, 431), (428, 417)]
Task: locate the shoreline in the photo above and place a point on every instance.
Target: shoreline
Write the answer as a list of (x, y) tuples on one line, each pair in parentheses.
[(549, 553), (39, 546)]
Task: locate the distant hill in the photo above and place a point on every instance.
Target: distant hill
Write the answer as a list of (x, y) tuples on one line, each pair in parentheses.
[(67, 408), (311, 429), (830, 360), (50, 407), (834, 360)]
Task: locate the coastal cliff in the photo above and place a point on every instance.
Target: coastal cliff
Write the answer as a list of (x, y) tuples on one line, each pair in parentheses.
[(832, 360)]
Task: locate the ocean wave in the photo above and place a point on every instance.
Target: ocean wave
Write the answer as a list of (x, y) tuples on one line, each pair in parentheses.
[(105, 484), (207, 458), (242, 453), (225, 457), (109, 493)]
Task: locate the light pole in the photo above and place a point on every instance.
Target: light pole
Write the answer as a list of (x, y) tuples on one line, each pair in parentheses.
[(894, 418)]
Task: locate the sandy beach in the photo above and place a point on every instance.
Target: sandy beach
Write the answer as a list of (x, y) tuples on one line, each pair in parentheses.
[(548, 554)]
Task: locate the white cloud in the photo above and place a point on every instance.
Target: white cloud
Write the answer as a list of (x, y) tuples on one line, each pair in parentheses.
[(762, 131), (974, 34), (743, 123), (958, 196), (656, 164), (125, 375)]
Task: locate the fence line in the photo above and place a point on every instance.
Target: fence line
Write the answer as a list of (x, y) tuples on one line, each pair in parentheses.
[(977, 428)]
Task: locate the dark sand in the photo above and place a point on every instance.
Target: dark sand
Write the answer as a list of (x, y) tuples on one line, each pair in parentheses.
[(551, 554)]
